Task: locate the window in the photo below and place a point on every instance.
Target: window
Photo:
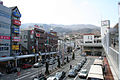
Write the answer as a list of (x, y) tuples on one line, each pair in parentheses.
[(4, 14)]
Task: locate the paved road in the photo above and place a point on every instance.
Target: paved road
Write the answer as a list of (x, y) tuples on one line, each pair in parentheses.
[(29, 74)]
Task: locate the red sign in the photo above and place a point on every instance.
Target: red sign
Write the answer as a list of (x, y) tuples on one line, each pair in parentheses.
[(32, 32), (16, 22), (37, 35), (16, 39), (5, 37)]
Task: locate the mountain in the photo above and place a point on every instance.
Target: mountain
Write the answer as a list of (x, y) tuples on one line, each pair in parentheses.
[(81, 28)]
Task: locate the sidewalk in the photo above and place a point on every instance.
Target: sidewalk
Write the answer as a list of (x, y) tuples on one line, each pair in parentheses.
[(108, 75)]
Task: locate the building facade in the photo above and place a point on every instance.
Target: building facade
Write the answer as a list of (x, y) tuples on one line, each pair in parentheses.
[(91, 44), (108, 39), (37, 40), (5, 30)]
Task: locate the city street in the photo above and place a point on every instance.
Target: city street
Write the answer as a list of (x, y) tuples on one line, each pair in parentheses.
[(29, 74)]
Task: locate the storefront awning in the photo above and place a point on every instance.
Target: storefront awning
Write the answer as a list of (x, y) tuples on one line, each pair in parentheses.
[(25, 56), (6, 58)]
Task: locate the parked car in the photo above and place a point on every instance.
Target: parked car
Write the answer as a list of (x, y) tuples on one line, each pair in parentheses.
[(77, 67), (36, 65), (63, 75), (72, 73), (80, 64), (40, 77), (58, 75), (25, 66), (83, 73), (52, 78)]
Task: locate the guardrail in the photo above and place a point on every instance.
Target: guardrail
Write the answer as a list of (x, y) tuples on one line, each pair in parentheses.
[(113, 59)]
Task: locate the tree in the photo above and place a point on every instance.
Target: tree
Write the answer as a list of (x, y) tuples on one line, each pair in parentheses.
[(73, 56), (47, 67), (58, 62), (67, 59)]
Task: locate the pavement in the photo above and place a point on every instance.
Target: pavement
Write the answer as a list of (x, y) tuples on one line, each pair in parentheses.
[(108, 75)]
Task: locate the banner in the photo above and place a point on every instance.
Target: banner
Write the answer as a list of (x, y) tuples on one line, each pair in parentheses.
[(5, 37), (15, 47)]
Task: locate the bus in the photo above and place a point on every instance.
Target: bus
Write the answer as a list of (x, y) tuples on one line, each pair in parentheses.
[(95, 73), (98, 62)]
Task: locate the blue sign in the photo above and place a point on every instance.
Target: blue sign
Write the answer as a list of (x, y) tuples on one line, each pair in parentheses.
[(15, 30), (17, 14)]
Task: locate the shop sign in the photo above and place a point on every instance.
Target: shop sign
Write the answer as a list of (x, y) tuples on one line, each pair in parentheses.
[(15, 30), (5, 37), (16, 22), (16, 39), (106, 23), (32, 32), (17, 14), (15, 47), (37, 35)]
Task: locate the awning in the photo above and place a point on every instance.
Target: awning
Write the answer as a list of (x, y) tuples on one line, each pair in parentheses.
[(25, 56), (6, 58)]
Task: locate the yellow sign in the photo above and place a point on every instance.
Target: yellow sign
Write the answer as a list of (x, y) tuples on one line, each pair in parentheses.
[(15, 47)]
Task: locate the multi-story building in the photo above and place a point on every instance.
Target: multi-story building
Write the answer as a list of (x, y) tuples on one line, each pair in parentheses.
[(5, 30), (37, 40), (15, 25), (91, 44), (110, 46)]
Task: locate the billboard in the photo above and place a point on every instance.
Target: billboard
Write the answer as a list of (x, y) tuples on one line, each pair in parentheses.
[(37, 35), (17, 39), (17, 14), (16, 22), (105, 23), (15, 30), (5, 37), (15, 47)]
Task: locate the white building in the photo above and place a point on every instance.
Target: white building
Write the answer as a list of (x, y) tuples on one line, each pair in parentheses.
[(91, 44), (112, 54)]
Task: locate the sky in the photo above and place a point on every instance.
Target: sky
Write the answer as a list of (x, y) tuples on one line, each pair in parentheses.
[(66, 12)]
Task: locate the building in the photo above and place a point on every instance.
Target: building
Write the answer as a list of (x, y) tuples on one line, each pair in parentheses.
[(109, 37), (91, 44), (36, 40), (15, 26), (5, 30)]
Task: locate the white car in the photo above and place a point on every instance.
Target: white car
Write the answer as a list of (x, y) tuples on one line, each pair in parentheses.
[(36, 65), (83, 73), (52, 78)]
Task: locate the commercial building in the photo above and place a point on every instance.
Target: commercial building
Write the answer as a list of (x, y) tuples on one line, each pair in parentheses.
[(110, 45), (91, 44), (5, 30), (36, 40)]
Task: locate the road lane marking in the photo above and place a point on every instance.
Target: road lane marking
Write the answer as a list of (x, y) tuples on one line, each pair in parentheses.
[(76, 77)]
